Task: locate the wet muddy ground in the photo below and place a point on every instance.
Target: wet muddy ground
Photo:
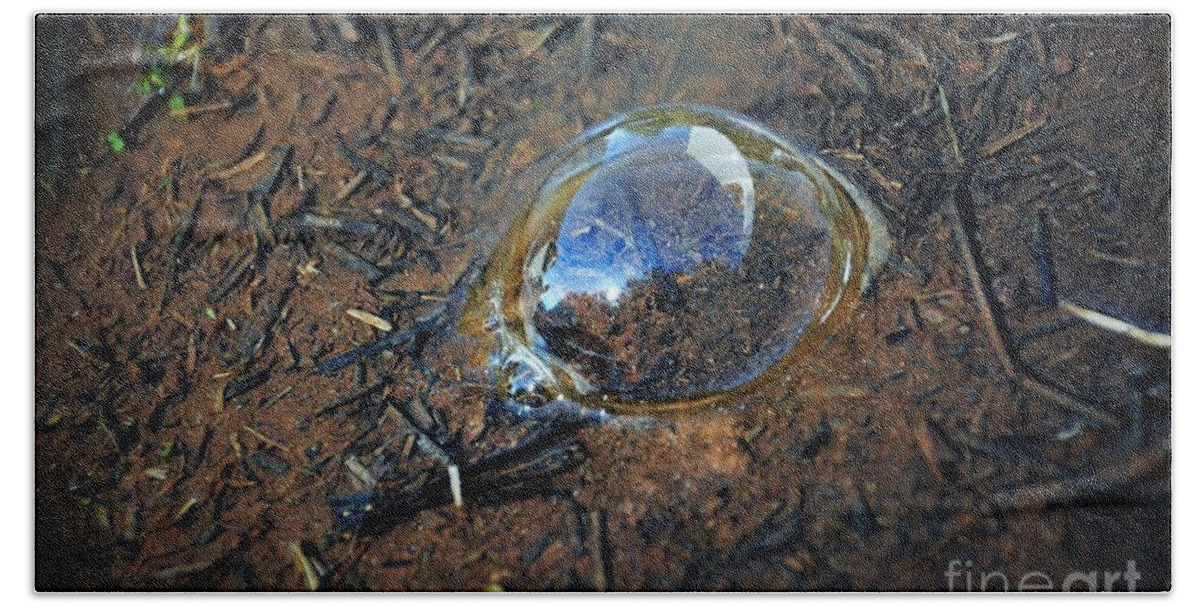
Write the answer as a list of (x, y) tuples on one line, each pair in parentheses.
[(249, 261)]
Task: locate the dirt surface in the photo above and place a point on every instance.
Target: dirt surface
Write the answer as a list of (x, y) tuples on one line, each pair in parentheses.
[(248, 374)]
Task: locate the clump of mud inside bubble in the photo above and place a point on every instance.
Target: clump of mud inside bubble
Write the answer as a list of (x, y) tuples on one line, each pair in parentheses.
[(709, 326)]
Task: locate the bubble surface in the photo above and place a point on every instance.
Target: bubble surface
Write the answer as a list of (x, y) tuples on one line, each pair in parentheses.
[(671, 256)]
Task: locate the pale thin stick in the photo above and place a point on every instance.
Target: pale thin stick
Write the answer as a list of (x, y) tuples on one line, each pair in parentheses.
[(137, 268), (1113, 324)]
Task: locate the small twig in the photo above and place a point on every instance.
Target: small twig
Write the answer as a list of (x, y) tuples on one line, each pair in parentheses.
[(264, 438), (920, 430), (373, 320), (88, 356), (245, 165), (432, 322), (455, 485), (993, 147), (355, 467), (386, 48), (967, 253), (945, 106), (540, 39), (407, 204), (1113, 324), (237, 446), (137, 268), (303, 565), (350, 187), (280, 395), (187, 506)]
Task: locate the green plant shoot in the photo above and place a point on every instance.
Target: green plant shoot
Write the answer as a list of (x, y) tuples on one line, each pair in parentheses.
[(116, 143)]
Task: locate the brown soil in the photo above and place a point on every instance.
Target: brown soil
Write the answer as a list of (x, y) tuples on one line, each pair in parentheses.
[(192, 289)]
